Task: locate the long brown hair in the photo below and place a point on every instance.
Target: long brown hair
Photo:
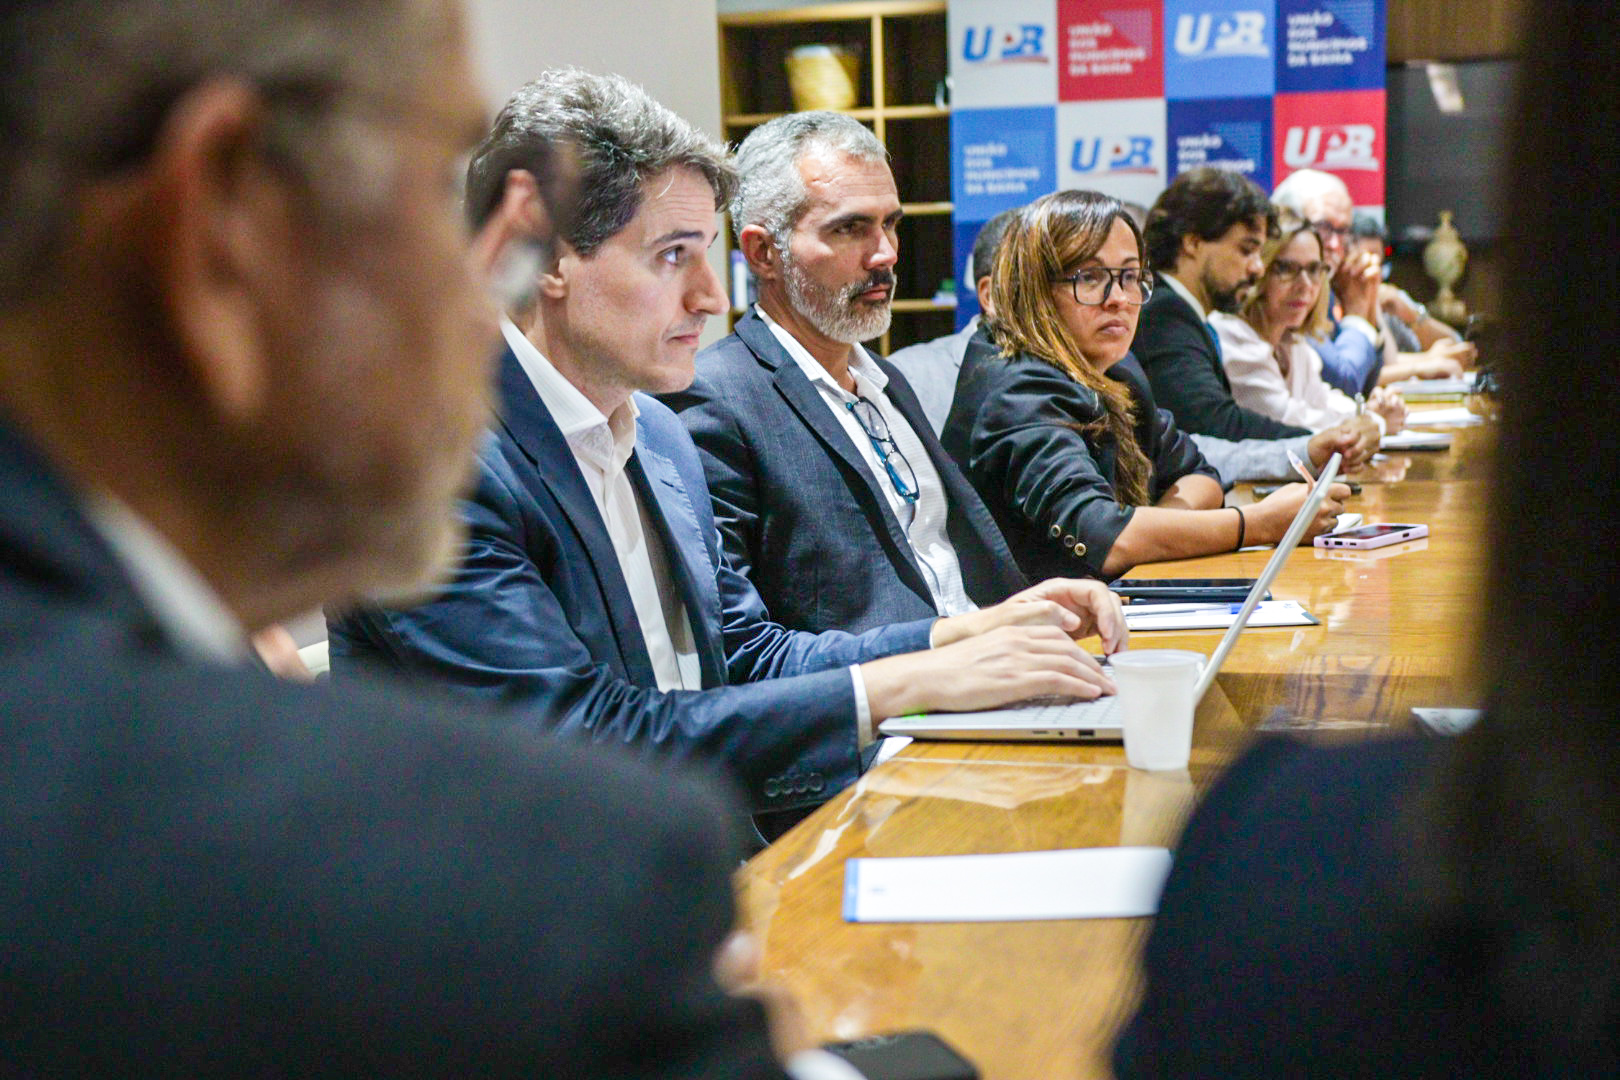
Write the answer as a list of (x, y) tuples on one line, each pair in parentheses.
[(1051, 237)]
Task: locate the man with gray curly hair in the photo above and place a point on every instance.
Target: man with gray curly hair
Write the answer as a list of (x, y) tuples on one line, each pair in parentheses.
[(594, 594), (831, 490)]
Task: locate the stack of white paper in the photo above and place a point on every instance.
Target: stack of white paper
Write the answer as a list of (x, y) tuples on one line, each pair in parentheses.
[(1214, 616), (1458, 417), (1088, 883), (1418, 440)]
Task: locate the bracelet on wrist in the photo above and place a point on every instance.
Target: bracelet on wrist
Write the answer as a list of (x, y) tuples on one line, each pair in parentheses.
[(1241, 528)]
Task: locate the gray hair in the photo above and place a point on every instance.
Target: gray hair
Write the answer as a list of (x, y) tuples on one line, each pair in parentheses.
[(618, 138), (85, 87), (772, 192), (1305, 186)]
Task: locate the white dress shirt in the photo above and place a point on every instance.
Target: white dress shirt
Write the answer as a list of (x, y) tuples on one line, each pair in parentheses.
[(602, 445), (184, 605), (1300, 398), (1184, 292), (924, 521)]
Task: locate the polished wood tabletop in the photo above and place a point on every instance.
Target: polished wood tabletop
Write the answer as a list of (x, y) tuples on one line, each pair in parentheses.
[(1042, 1000)]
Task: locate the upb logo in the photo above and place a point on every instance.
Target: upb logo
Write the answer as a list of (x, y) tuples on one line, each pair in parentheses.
[(1345, 146), (1242, 33), (1021, 44), (1113, 157)]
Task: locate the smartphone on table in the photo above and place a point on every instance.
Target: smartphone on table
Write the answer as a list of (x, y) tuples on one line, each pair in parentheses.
[(1365, 537)]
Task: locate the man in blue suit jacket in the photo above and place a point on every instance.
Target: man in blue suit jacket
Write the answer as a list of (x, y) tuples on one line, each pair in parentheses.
[(593, 592)]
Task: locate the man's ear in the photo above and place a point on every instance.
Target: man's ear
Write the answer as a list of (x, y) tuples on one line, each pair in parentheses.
[(982, 286), (223, 236), (556, 275), (1191, 245), (519, 214), (760, 251)]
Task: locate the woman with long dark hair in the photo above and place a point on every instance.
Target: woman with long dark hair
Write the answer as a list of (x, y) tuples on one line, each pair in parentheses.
[(1448, 907), (1055, 424)]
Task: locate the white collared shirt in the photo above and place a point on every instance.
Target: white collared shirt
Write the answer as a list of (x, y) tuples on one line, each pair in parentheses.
[(602, 445), (1185, 293), (923, 522), (184, 605)]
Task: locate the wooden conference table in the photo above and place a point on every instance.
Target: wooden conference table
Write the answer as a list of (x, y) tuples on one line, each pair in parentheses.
[(1042, 1000)]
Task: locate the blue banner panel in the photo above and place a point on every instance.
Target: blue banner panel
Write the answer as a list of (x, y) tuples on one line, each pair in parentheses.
[(967, 293), (1001, 158), (1232, 135), (1330, 45), (1219, 48)]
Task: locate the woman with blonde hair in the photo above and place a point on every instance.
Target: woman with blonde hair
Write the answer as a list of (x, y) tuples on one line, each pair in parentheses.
[(1269, 360), (1054, 421)]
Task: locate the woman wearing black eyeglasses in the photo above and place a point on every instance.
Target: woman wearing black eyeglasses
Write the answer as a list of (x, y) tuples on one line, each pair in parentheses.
[(1055, 423), (1269, 359)]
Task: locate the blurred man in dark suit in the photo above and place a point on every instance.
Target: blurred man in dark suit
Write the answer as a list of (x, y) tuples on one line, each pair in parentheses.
[(245, 363)]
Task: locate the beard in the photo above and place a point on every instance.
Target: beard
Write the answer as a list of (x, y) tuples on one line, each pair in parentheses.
[(840, 314), (1226, 300)]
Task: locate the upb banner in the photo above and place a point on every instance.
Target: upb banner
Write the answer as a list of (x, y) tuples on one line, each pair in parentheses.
[(1121, 96)]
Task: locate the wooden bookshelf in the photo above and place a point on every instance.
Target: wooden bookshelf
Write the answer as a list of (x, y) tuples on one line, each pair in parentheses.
[(903, 53)]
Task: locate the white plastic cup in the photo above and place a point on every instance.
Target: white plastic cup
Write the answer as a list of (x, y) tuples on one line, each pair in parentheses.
[(1156, 702)]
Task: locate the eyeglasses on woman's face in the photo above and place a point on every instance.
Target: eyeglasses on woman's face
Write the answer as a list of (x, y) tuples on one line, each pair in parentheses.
[(1287, 271), (1093, 285)]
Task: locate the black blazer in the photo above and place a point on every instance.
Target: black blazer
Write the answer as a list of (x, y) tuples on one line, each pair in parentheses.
[(1288, 942), (799, 511), (1174, 347), (207, 871), (1014, 428)]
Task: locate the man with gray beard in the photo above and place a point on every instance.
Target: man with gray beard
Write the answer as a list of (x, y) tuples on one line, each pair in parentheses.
[(831, 491)]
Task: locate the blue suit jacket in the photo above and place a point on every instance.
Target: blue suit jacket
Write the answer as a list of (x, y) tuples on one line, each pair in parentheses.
[(800, 512), (539, 616), (1350, 362)]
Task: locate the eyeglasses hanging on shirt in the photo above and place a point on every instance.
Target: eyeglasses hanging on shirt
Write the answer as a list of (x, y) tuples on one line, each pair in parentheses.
[(894, 462)]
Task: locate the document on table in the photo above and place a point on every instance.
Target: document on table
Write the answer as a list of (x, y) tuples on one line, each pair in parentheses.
[(1086, 883), (1209, 616), (1418, 389), (1417, 440), (1457, 417)]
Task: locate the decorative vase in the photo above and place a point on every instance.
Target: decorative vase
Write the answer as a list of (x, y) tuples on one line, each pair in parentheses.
[(1445, 257), (823, 77)]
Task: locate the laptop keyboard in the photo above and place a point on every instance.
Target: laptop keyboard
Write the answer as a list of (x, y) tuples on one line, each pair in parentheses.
[(1060, 711)]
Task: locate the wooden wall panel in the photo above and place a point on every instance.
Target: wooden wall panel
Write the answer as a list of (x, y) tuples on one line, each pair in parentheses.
[(1453, 29)]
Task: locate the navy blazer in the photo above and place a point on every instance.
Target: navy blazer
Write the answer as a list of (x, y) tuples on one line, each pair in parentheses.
[(1177, 350), (799, 511), (539, 616), (205, 870), (1292, 940), (1022, 431)]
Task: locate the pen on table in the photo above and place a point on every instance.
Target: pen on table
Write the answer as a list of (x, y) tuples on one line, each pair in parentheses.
[(1299, 467)]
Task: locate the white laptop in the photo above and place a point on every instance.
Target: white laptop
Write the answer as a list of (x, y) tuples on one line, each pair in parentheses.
[(1062, 720)]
